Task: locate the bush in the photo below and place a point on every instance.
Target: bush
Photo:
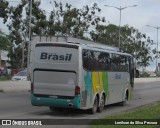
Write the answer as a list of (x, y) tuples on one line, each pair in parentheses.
[(5, 77), (144, 74)]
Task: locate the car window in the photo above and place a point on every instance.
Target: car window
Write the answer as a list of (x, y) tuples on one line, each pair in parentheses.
[(21, 74)]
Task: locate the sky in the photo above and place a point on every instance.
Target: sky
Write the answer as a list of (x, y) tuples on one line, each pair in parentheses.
[(147, 12)]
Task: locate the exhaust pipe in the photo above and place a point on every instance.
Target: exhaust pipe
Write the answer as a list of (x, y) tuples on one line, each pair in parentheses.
[(70, 104)]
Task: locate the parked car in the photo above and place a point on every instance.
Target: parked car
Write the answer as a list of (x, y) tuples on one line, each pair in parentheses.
[(22, 75)]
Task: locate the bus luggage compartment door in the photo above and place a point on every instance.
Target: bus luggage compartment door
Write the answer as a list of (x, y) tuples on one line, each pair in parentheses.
[(54, 83)]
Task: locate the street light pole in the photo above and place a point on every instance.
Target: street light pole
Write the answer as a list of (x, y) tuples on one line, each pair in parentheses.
[(119, 35), (120, 9), (29, 37), (156, 27)]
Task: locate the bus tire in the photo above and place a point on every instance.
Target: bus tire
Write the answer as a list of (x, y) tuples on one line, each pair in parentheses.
[(123, 103), (52, 108), (55, 108), (102, 103), (93, 110)]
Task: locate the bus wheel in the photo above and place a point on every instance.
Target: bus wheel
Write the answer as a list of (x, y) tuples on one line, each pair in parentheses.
[(93, 110), (55, 108), (102, 104), (123, 103), (52, 108)]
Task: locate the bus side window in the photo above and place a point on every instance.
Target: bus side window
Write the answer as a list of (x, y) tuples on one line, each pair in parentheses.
[(124, 65), (107, 63), (95, 60), (104, 61), (116, 63), (87, 60), (113, 63)]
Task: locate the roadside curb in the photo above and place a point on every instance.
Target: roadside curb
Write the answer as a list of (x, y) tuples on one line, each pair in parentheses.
[(145, 80), (14, 86)]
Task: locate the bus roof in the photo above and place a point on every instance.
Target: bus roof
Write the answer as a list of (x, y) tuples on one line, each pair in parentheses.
[(67, 39), (76, 41), (104, 50)]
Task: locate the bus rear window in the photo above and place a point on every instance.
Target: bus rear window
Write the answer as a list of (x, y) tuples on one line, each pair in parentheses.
[(56, 54)]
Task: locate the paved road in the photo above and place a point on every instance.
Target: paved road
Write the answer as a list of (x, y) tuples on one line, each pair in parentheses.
[(17, 105)]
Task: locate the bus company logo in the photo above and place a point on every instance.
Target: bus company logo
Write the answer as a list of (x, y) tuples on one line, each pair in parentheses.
[(6, 122), (54, 56), (117, 76)]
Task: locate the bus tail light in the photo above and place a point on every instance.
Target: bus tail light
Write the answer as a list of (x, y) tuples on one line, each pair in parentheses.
[(77, 90), (31, 87)]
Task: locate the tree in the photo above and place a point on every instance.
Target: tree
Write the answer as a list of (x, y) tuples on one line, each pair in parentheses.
[(132, 41), (138, 45), (39, 21), (4, 10), (67, 20), (19, 27), (106, 34), (64, 20), (4, 43)]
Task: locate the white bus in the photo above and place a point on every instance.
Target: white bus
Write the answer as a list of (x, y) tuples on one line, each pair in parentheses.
[(73, 73)]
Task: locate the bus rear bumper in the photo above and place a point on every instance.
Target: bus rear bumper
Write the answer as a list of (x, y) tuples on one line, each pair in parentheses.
[(54, 102)]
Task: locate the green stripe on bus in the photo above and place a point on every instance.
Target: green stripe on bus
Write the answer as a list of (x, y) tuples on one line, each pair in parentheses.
[(105, 81)]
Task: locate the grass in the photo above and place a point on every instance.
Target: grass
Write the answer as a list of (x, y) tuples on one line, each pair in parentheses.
[(149, 77), (4, 78), (149, 112), (154, 77)]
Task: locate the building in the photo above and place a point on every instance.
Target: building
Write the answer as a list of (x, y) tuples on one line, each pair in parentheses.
[(3, 58)]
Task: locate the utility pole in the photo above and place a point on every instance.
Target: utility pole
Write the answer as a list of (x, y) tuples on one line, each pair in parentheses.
[(157, 28), (120, 10), (29, 36)]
